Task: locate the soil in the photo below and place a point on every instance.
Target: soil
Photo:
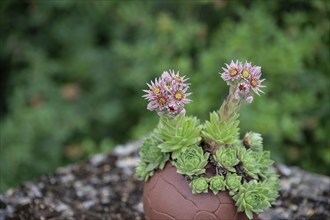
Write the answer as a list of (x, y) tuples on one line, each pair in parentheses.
[(104, 187)]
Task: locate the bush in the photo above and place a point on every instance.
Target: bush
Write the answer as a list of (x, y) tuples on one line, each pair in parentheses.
[(73, 74)]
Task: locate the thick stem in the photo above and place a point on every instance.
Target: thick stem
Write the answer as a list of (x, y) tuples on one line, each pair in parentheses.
[(231, 104)]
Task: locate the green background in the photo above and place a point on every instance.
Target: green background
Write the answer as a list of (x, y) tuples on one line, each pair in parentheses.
[(72, 74)]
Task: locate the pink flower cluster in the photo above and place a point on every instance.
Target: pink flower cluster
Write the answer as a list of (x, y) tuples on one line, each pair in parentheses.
[(168, 93), (245, 78)]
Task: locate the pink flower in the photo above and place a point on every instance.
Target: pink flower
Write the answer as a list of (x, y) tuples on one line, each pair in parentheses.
[(243, 78), (181, 111), (177, 79), (174, 109), (232, 72), (179, 95), (159, 103), (168, 93), (167, 79), (242, 90), (246, 71), (155, 89), (249, 98), (256, 71), (255, 81)]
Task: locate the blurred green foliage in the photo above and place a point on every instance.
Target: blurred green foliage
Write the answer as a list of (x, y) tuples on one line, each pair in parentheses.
[(72, 74)]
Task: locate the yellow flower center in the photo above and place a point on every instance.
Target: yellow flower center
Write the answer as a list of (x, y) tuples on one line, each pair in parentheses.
[(254, 83), (162, 101), (177, 79), (156, 91), (178, 96), (245, 74), (233, 73), (168, 85)]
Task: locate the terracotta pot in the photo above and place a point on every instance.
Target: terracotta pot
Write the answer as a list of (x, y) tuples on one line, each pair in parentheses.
[(167, 196)]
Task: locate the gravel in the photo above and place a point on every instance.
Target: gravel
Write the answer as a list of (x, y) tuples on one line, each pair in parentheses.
[(104, 187)]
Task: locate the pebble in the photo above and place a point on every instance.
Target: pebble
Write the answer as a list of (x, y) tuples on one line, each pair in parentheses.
[(284, 170), (67, 178), (103, 188), (124, 150), (139, 207), (97, 159), (88, 204), (127, 162)]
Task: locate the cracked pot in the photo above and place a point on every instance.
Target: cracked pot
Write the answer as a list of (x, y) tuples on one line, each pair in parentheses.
[(167, 195)]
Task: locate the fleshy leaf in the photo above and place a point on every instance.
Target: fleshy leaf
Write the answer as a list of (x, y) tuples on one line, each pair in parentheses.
[(199, 185), (253, 197), (226, 158), (221, 129), (178, 133), (152, 155), (191, 161), (217, 183), (142, 172), (233, 183)]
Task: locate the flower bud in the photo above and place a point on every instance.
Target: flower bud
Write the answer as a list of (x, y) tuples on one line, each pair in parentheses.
[(253, 140)]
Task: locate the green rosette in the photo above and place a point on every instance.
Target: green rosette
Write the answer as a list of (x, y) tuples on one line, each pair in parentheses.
[(142, 172), (191, 161), (199, 185), (217, 183), (252, 198), (226, 158), (233, 183)]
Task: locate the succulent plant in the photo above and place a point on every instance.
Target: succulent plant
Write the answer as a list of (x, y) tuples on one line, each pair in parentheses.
[(252, 198), (226, 158), (222, 127), (244, 168), (253, 140), (272, 184), (233, 183), (264, 160), (178, 133), (199, 185), (152, 155), (191, 161), (217, 183), (142, 172), (249, 160)]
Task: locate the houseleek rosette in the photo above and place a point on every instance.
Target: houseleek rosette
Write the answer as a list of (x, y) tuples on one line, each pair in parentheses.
[(178, 133), (191, 161), (255, 163), (221, 129), (199, 185), (143, 172), (226, 158), (233, 183), (152, 155), (264, 160), (252, 198), (249, 160), (217, 183), (272, 185)]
